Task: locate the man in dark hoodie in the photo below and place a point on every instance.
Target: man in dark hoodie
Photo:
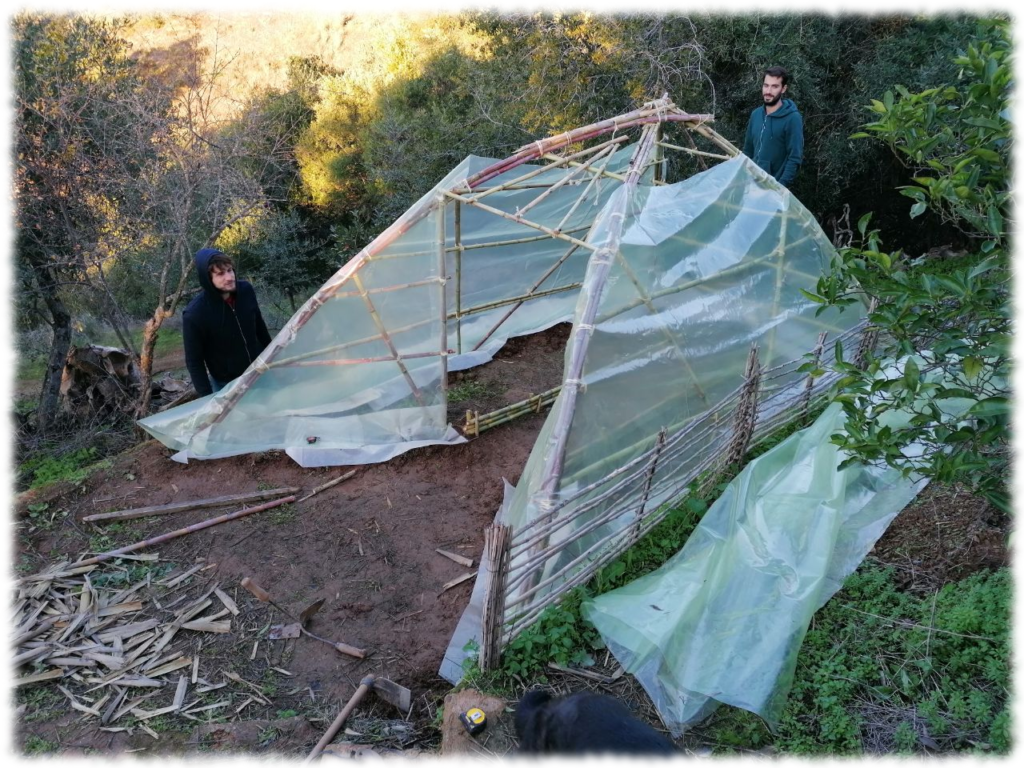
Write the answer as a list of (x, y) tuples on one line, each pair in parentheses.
[(775, 131), (223, 328)]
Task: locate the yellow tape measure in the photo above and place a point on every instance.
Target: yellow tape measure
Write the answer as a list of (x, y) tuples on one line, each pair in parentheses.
[(474, 720)]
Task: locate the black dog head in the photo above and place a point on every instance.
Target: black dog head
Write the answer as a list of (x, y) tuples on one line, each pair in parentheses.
[(583, 723)]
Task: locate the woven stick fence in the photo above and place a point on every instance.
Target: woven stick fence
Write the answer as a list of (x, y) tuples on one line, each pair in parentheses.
[(574, 538)]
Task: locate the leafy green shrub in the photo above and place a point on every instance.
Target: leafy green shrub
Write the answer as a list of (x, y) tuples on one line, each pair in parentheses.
[(561, 635), (953, 323)]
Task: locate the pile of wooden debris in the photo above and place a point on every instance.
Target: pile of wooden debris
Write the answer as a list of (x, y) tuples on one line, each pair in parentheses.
[(74, 630)]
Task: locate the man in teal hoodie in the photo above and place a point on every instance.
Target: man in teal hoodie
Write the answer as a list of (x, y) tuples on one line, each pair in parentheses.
[(775, 131)]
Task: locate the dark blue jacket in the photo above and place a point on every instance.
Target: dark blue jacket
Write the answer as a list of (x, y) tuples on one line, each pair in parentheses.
[(776, 141), (218, 338)]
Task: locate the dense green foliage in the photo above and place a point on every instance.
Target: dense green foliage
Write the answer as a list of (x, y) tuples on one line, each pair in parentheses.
[(948, 323)]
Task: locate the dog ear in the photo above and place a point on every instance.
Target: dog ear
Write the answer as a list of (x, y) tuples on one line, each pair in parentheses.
[(531, 721)]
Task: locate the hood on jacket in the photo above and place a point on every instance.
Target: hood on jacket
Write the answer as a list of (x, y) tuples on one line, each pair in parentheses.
[(203, 270), (786, 108)]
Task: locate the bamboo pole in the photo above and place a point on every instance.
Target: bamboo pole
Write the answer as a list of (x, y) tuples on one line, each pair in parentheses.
[(458, 277), (442, 271), (746, 410), (183, 531), (387, 288), (356, 360), (495, 562), (557, 162), (578, 171), (583, 196), (181, 506), (868, 339), (600, 263), (379, 324), (520, 220), (648, 480), (516, 241), (480, 308), (693, 151), (531, 293)]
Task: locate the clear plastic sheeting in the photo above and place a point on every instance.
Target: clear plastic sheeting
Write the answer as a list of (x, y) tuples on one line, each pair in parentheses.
[(702, 270), (723, 620), (697, 272), (357, 375)]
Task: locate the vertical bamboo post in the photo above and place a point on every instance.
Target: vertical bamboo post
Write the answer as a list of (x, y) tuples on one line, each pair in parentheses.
[(497, 540), (660, 160), (458, 275), (868, 338), (809, 384), (442, 274), (746, 410)]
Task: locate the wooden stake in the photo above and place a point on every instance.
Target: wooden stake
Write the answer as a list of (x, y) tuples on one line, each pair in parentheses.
[(497, 539)]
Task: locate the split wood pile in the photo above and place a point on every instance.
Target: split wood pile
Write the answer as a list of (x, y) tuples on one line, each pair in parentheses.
[(108, 649)]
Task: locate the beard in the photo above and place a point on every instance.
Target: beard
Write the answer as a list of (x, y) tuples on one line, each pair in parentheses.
[(771, 102)]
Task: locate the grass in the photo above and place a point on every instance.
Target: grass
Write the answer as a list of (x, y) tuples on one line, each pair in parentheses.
[(35, 745), (72, 467), (465, 391)]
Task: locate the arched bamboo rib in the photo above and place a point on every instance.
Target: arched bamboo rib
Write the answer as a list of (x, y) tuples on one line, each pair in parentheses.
[(386, 337)]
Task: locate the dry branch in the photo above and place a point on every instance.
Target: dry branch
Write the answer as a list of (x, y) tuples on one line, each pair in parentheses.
[(181, 506)]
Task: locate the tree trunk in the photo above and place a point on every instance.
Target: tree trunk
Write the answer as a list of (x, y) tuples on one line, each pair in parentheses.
[(60, 321), (149, 336)]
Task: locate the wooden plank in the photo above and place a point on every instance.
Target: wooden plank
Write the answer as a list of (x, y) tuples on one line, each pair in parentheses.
[(228, 602), (458, 580), (463, 561), (53, 674), (173, 581), (181, 506), (179, 695), (205, 625)]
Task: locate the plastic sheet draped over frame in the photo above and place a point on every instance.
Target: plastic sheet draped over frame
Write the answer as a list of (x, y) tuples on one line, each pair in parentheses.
[(723, 619), (704, 269), (330, 390)]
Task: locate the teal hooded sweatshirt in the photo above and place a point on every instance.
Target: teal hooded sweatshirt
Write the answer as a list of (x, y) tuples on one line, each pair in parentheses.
[(776, 141)]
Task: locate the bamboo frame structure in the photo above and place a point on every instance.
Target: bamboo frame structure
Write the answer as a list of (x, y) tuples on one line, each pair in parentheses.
[(655, 112), (634, 483)]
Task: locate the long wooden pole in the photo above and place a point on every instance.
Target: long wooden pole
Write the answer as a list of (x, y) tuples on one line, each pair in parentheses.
[(183, 531), (180, 506)]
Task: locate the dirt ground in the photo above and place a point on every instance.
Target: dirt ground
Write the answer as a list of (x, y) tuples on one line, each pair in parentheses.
[(367, 548)]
